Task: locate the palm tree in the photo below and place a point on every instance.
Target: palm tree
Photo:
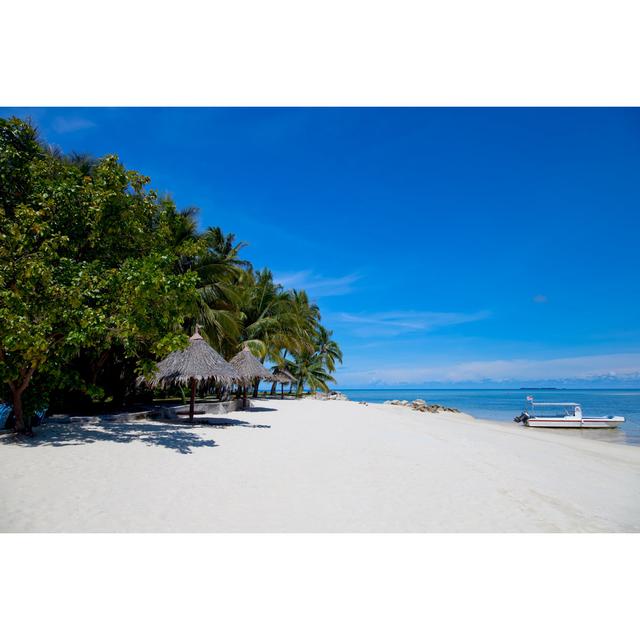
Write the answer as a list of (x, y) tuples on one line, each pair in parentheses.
[(309, 369), (84, 162), (270, 321), (314, 366), (239, 307), (220, 271), (213, 257), (328, 349)]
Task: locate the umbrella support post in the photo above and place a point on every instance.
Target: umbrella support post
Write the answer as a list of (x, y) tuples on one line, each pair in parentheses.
[(193, 399)]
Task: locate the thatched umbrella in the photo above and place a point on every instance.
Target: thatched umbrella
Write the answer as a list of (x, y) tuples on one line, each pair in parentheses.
[(248, 369), (283, 376), (194, 364)]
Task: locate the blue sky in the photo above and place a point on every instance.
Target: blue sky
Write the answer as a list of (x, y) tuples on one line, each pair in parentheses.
[(446, 247)]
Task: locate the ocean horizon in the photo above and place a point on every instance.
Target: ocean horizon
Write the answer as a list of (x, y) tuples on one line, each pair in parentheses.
[(502, 405)]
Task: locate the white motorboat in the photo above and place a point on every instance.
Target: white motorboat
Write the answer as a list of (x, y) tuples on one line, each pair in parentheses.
[(568, 415)]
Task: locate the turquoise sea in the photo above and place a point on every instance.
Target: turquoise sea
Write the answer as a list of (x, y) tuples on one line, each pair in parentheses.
[(503, 404)]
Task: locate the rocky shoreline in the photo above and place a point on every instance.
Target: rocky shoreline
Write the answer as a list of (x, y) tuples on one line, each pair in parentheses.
[(416, 405), (331, 395), (422, 406)]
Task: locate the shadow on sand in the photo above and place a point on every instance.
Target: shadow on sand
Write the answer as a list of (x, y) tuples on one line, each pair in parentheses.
[(177, 436), (221, 423)]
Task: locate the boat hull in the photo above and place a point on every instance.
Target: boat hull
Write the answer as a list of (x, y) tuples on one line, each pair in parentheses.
[(575, 423)]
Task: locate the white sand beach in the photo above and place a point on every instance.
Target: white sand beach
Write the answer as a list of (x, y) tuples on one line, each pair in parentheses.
[(317, 466)]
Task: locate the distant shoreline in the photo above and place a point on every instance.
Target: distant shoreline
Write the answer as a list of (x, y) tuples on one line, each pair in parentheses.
[(345, 389)]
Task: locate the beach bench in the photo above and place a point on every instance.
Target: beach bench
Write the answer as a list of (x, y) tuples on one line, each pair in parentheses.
[(6, 409), (5, 412)]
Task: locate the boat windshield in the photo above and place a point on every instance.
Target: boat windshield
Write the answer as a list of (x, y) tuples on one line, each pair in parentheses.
[(553, 410)]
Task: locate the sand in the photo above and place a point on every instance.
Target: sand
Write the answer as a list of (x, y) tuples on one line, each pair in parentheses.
[(317, 466)]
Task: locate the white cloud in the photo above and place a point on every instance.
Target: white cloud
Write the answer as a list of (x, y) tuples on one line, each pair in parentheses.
[(540, 299), (317, 286), (393, 323), (70, 124), (584, 368)]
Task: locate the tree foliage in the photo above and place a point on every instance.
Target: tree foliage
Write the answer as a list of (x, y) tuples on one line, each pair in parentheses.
[(86, 263), (100, 277)]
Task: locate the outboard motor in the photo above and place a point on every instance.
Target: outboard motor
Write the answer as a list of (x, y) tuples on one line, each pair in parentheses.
[(523, 417)]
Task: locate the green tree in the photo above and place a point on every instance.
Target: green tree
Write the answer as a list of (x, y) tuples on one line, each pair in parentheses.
[(313, 367), (220, 270), (85, 263), (328, 349), (99, 277), (309, 368)]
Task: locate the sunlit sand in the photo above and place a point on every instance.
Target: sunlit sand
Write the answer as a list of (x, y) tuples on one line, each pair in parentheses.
[(316, 466)]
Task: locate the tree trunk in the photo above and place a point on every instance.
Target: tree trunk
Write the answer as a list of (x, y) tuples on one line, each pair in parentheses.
[(244, 404), (16, 398), (274, 388), (300, 388), (193, 399), (282, 391), (97, 366), (256, 384), (21, 427)]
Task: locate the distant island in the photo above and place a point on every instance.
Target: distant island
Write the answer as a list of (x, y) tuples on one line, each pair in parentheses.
[(539, 389)]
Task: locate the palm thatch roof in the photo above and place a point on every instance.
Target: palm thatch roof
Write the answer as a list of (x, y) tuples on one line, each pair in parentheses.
[(283, 376), (197, 362), (248, 367)]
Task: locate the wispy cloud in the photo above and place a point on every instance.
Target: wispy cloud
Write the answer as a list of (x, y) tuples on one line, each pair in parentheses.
[(584, 368), (393, 323), (540, 299), (70, 124), (318, 286)]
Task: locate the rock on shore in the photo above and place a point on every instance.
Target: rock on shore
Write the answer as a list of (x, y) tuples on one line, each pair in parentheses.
[(332, 395), (422, 406)]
